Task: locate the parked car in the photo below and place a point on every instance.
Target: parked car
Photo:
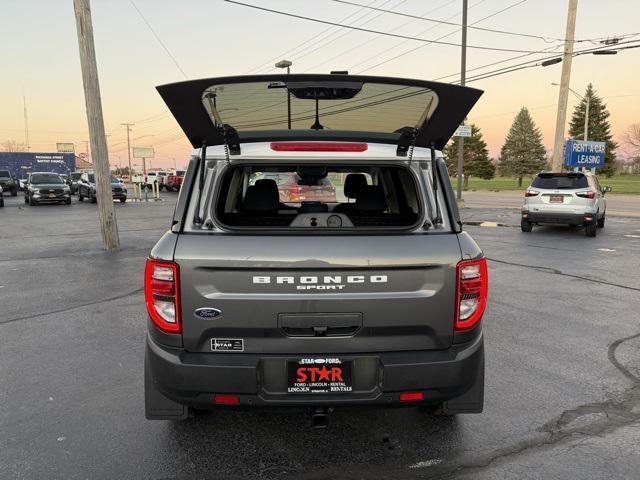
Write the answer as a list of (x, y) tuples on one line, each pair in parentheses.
[(72, 181), (161, 178), (87, 188), (253, 305), (46, 187), (150, 179), (293, 189), (8, 182), (174, 181), (569, 198)]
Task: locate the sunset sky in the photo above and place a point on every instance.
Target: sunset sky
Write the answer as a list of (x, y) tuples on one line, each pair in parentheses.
[(210, 38)]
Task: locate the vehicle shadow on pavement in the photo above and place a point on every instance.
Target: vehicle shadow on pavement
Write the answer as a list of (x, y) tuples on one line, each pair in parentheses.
[(278, 443)]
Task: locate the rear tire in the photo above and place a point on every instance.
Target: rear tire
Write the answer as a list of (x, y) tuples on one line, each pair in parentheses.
[(123, 200), (92, 198), (601, 221), (26, 200), (67, 201), (591, 229), (14, 192), (80, 197), (526, 225)]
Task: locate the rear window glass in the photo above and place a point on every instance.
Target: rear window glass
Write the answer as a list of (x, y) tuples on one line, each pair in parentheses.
[(306, 196), (346, 106), (559, 182)]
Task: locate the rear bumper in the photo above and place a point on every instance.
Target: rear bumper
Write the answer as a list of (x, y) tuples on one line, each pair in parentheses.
[(559, 218), (260, 380)]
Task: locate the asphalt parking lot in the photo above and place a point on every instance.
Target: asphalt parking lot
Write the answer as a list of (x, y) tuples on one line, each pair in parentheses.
[(563, 366)]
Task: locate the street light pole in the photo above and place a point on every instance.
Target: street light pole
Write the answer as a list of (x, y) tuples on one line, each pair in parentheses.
[(563, 96), (463, 80), (586, 118), (287, 64)]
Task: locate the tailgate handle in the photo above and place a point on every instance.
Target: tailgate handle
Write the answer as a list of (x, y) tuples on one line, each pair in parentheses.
[(320, 324)]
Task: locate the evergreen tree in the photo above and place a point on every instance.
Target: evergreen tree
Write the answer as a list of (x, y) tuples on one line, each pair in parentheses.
[(523, 152), (476, 160), (599, 128)]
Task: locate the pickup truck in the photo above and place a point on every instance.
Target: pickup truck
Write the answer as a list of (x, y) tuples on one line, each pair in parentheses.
[(173, 182)]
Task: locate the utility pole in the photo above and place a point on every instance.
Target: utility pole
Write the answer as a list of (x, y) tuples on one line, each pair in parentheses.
[(26, 121), (563, 96), (463, 81), (128, 126), (95, 120)]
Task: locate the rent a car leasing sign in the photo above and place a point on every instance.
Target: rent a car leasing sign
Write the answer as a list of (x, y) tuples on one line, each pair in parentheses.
[(579, 153)]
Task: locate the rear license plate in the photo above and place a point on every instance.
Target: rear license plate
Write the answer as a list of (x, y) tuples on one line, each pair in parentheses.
[(556, 199), (319, 375)]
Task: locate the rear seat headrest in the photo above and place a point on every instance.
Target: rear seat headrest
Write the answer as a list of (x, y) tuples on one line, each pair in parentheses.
[(371, 200), (260, 199), (353, 184), (267, 183)]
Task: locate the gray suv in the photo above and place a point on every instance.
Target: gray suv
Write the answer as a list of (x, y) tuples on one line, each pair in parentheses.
[(255, 300)]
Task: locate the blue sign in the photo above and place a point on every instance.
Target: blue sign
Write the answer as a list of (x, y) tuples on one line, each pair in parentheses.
[(578, 153), (21, 163)]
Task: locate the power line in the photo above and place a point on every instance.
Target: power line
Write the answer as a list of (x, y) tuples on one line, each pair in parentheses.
[(298, 55), (445, 22), (173, 59), (366, 42), (290, 51), (378, 32), (377, 55), (513, 5), (538, 61)]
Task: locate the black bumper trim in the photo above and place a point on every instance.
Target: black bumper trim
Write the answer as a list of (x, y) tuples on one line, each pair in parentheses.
[(558, 218), (192, 378)]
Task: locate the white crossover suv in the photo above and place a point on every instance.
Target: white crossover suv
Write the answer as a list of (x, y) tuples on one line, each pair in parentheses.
[(569, 198)]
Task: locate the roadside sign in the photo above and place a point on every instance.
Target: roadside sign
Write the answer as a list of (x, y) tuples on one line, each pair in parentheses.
[(578, 153), (143, 152), (65, 147), (463, 131)]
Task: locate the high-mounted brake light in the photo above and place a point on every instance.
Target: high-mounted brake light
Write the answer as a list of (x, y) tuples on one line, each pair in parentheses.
[(162, 294), (318, 147), (471, 292)]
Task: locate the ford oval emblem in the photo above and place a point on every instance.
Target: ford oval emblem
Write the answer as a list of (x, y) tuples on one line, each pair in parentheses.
[(208, 313)]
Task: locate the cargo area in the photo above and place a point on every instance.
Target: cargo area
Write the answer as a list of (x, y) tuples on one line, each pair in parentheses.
[(316, 196)]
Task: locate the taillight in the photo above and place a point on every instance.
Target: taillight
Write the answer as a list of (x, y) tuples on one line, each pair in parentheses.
[(471, 294), (588, 194), (318, 147), (162, 294), (531, 193)]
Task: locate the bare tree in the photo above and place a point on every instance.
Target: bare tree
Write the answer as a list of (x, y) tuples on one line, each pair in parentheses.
[(13, 146), (632, 138)]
